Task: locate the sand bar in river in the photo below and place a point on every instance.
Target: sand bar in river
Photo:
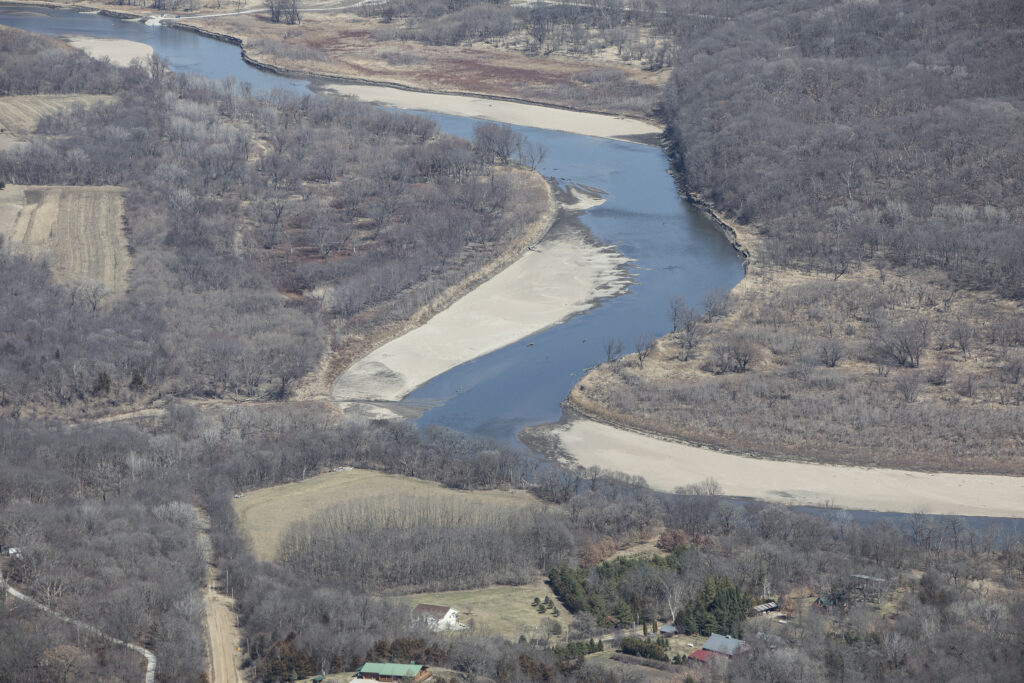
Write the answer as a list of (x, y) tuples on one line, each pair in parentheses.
[(558, 278), (516, 113), (668, 464), (120, 52)]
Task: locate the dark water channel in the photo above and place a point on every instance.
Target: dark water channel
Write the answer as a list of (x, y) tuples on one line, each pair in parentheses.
[(674, 250)]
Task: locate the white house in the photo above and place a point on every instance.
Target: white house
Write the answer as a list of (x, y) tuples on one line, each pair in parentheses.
[(438, 618)]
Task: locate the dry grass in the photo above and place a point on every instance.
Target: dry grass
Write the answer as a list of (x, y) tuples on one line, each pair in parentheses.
[(501, 610), (78, 230), (343, 47), (19, 114), (264, 515)]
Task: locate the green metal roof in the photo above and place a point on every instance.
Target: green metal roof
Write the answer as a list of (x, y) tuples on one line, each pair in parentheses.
[(387, 669)]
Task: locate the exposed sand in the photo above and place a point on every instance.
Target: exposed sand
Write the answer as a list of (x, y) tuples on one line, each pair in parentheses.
[(120, 52), (666, 465), (560, 277), (516, 113)]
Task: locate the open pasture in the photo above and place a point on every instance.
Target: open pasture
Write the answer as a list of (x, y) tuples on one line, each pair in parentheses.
[(501, 610), (264, 515)]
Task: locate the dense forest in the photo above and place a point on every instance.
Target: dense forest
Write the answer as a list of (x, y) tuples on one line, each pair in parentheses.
[(259, 226), (868, 157)]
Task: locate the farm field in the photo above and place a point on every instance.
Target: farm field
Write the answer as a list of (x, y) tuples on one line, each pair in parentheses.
[(264, 515), (19, 114), (78, 230), (502, 610)]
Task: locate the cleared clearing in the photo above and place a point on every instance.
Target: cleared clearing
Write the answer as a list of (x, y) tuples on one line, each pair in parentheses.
[(265, 514), (501, 610), (78, 230), (19, 114)]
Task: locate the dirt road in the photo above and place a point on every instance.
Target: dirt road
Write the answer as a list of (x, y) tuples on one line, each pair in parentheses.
[(222, 634)]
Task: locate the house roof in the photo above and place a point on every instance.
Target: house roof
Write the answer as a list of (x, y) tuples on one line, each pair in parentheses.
[(766, 607), (723, 645), (667, 628), (388, 669), (704, 655), (436, 611)]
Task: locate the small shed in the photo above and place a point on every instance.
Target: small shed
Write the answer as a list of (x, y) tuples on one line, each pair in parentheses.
[(667, 631), (764, 608), (386, 671)]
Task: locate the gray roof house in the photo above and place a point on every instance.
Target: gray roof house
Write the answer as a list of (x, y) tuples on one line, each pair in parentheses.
[(724, 645)]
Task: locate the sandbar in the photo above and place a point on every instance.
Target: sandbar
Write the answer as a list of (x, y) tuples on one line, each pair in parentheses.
[(669, 464), (556, 279), (120, 52), (515, 113)]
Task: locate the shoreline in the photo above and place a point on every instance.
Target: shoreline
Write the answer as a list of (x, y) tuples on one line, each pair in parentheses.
[(117, 51), (565, 274), (645, 129), (667, 464)]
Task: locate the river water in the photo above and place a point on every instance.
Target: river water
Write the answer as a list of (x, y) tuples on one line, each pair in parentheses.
[(674, 250)]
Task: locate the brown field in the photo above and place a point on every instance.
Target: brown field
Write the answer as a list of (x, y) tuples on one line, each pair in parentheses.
[(265, 514), (19, 114), (78, 230), (501, 610)]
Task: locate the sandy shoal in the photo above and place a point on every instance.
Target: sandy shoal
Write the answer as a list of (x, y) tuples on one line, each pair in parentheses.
[(120, 52), (561, 277), (516, 113), (666, 465)]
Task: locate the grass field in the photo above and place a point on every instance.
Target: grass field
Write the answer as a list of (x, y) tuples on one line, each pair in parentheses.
[(502, 610), (78, 230), (20, 113), (265, 514)]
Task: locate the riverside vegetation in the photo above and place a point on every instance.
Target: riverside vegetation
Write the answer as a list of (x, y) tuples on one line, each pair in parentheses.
[(871, 169), (260, 228)]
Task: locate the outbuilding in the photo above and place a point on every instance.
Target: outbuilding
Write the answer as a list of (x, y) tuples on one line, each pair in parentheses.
[(386, 671)]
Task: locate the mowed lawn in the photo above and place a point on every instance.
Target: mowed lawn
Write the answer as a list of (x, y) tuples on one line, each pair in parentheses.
[(501, 610), (265, 514)]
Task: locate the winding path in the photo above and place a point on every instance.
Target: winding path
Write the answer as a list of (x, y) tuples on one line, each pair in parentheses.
[(150, 657)]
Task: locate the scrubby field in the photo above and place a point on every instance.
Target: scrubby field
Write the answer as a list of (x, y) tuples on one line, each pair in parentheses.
[(504, 610), (20, 113), (265, 515), (79, 230)]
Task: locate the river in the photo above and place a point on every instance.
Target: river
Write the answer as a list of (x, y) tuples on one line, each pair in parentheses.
[(673, 249)]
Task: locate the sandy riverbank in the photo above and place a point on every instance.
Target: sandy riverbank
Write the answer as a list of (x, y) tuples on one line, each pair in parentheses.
[(560, 277), (516, 113), (120, 52), (666, 465)]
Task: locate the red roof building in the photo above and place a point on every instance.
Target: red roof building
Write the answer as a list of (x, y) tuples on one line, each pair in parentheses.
[(703, 656)]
